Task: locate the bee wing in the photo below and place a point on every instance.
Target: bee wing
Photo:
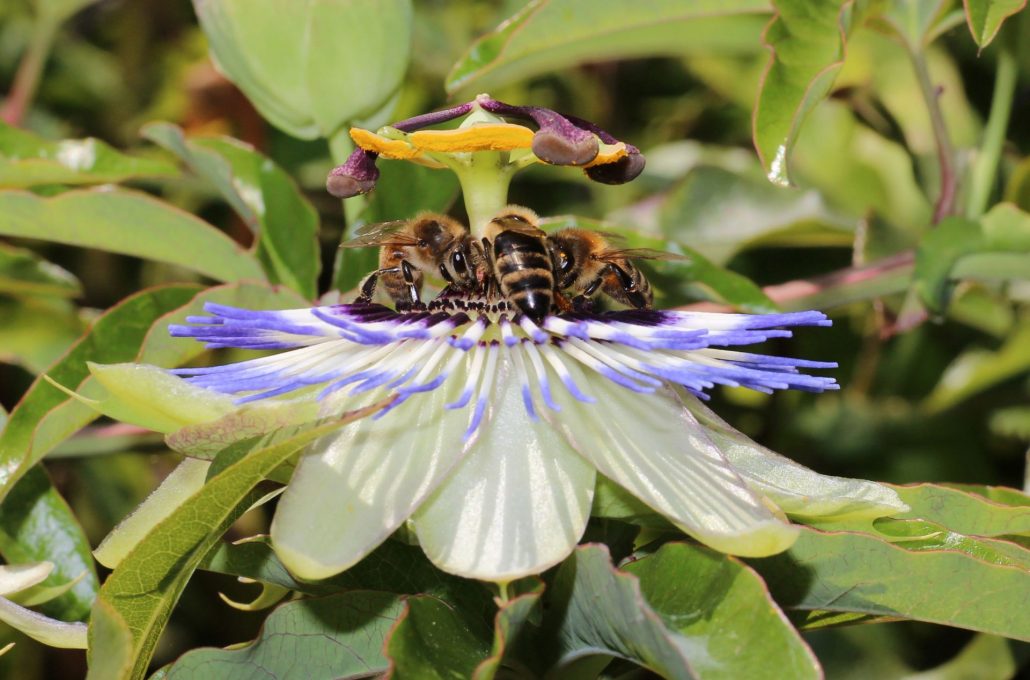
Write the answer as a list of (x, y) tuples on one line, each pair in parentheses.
[(381, 234), (640, 254)]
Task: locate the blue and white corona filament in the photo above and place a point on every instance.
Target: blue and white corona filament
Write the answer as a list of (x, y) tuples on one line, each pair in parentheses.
[(361, 348), (502, 428)]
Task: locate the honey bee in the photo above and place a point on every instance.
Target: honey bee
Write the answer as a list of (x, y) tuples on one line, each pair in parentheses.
[(516, 249), (585, 262), (409, 249)]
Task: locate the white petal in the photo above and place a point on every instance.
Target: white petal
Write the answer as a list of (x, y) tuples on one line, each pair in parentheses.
[(798, 491), (654, 448), (516, 505), (353, 489)]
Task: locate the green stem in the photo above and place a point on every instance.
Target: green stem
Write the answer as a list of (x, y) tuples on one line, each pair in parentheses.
[(986, 166), (503, 595), (26, 80), (484, 186), (945, 154)]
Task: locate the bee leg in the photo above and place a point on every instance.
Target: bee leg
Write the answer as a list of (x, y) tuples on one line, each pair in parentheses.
[(562, 303), (415, 301), (368, 287), (582, 304), (633, 295)]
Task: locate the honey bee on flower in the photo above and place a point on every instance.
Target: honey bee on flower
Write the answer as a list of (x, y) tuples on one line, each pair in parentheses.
[(512, 396)]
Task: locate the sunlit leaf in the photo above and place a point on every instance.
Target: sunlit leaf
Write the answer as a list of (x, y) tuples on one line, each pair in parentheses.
[(27, 160), (45, 415), (174, 490), (683, 612), (129, 223), (806, 40), (985, 17), (330, 637), (548, 35), (976, 511), (148, 582), (315, 67), (263, 195), (859, 572)]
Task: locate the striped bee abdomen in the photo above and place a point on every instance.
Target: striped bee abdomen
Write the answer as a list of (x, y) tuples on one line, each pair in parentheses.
[(522, 266)]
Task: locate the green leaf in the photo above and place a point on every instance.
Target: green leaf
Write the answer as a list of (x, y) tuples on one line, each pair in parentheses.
[(27, 160), (721, 605), (181, 483), (129, 223), (860, 172), (37, 525), (978, 370), (951, 240), (434, 641), (718, 284), (45, 415), (913, 21), (330, 637), (148, 582), (22, 272), (263, 195), (1012, 422), (392, 567), (315, 68), (720, 212), (510, 623), (109, 632), (548, 35), (858, 572), (968, 512), (985, 17), (806, 39), (35, 331), (684, 612), (997, 247), (59, 10)]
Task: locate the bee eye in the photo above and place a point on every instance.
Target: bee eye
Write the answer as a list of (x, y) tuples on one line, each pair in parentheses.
[(422, 243), (458, 261), (566, 262)]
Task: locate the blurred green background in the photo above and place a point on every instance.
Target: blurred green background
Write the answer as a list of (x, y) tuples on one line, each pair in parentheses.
[(945, 400)]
